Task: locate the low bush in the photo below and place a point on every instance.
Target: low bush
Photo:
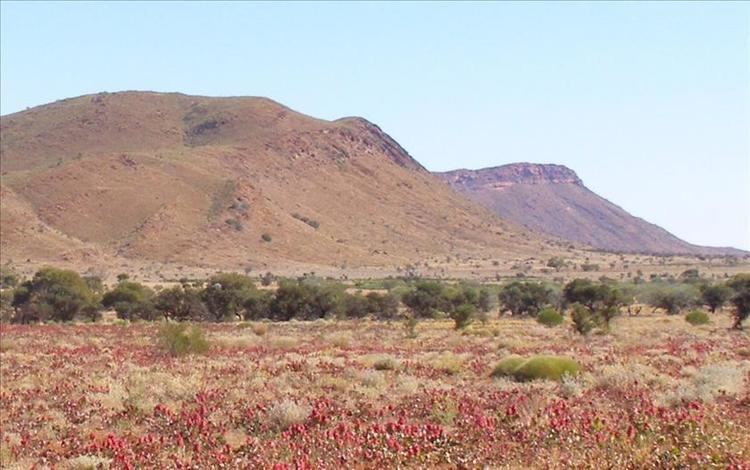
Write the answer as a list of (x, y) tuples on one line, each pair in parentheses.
[(260, 329), (507, 366), (448, 363), (536, 368), (697, 317), (386, 363), (410, 327), (180, 339), (549, 317), (546, 367), (287, 413)]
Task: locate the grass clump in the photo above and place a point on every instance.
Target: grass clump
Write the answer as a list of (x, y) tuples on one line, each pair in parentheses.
[(385, 363), (507, 366), (536, 368), (697, 317), (549, 317), (180, 339), (448, 363), (287, 413)]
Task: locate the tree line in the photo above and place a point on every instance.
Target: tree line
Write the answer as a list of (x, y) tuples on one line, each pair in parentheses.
[(62, 295)]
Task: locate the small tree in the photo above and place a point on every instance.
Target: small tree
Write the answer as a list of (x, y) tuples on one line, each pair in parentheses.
[(740, 284), (267, 279), (424, 299), (382, 305), (556, 262), (714, 296), (181, 304), (225, 295), (673, 298), (583, 320), (524, 298), (484, 302), (463, 315), (258, 305), (131, 301), (53, 294), (8, 277)]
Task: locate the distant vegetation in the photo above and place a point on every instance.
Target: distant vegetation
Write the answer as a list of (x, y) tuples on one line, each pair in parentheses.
[(311, 222), (61, 295)]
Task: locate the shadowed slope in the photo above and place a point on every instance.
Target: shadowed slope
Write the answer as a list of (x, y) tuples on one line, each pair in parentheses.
[(553, 200)]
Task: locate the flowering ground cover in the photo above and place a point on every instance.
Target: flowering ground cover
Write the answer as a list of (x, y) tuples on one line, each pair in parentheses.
[(654, 393)]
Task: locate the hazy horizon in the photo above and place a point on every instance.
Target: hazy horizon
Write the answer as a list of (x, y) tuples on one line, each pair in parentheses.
[(648, 103)]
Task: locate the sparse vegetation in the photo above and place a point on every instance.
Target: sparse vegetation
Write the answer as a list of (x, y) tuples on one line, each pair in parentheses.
[(541, 367), (583, 320), (180, 339), (549, 317), (525, 298), (311, 222), (697, 317)]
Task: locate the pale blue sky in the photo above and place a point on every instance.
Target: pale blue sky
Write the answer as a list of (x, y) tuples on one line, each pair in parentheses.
[(648, 102)]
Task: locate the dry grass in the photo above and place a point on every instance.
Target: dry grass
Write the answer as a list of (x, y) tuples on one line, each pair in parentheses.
[(357, 367)]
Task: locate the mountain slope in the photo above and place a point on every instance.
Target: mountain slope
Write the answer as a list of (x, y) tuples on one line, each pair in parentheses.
[(553, 200), (202, 181)]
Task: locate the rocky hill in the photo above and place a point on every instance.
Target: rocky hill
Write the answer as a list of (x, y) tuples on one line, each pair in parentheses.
[(551, 199), (225, 182)]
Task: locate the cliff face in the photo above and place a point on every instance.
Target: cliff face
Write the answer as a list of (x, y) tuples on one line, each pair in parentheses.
[(515, 173), (552, 199)]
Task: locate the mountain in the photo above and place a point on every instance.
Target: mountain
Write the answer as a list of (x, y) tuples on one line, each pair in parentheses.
[(553, 200), (225, 182)]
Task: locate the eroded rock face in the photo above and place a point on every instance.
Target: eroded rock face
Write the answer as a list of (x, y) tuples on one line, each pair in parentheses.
[(515, 173)]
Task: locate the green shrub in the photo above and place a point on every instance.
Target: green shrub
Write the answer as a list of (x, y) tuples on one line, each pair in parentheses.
[(583, 320), (740, 285), (546, 367), (225, 295), (672, 297), (463, 315), (8, 277), (549, 317), (179, 339), (131, 301), (524, 298), (425, 298), (266, 237), (410, 327), (181, 304), (715, 296), (697, 317), (507, 366), (53, 294)]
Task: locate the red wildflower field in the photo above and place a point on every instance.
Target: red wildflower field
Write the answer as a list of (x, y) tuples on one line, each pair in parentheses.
[(654, 393)]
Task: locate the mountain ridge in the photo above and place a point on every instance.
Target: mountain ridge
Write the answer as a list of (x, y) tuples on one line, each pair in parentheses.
[(226, 182), (552, 199)]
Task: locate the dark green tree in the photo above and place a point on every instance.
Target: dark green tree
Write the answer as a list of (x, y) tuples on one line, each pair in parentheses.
[(53, 294), (225, 295), (181, 304), (714, 296), (740, 285), (131, 301), (525, 298)]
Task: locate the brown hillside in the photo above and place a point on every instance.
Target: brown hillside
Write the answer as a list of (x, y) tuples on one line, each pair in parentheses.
[(198, 181), (553, 200)]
